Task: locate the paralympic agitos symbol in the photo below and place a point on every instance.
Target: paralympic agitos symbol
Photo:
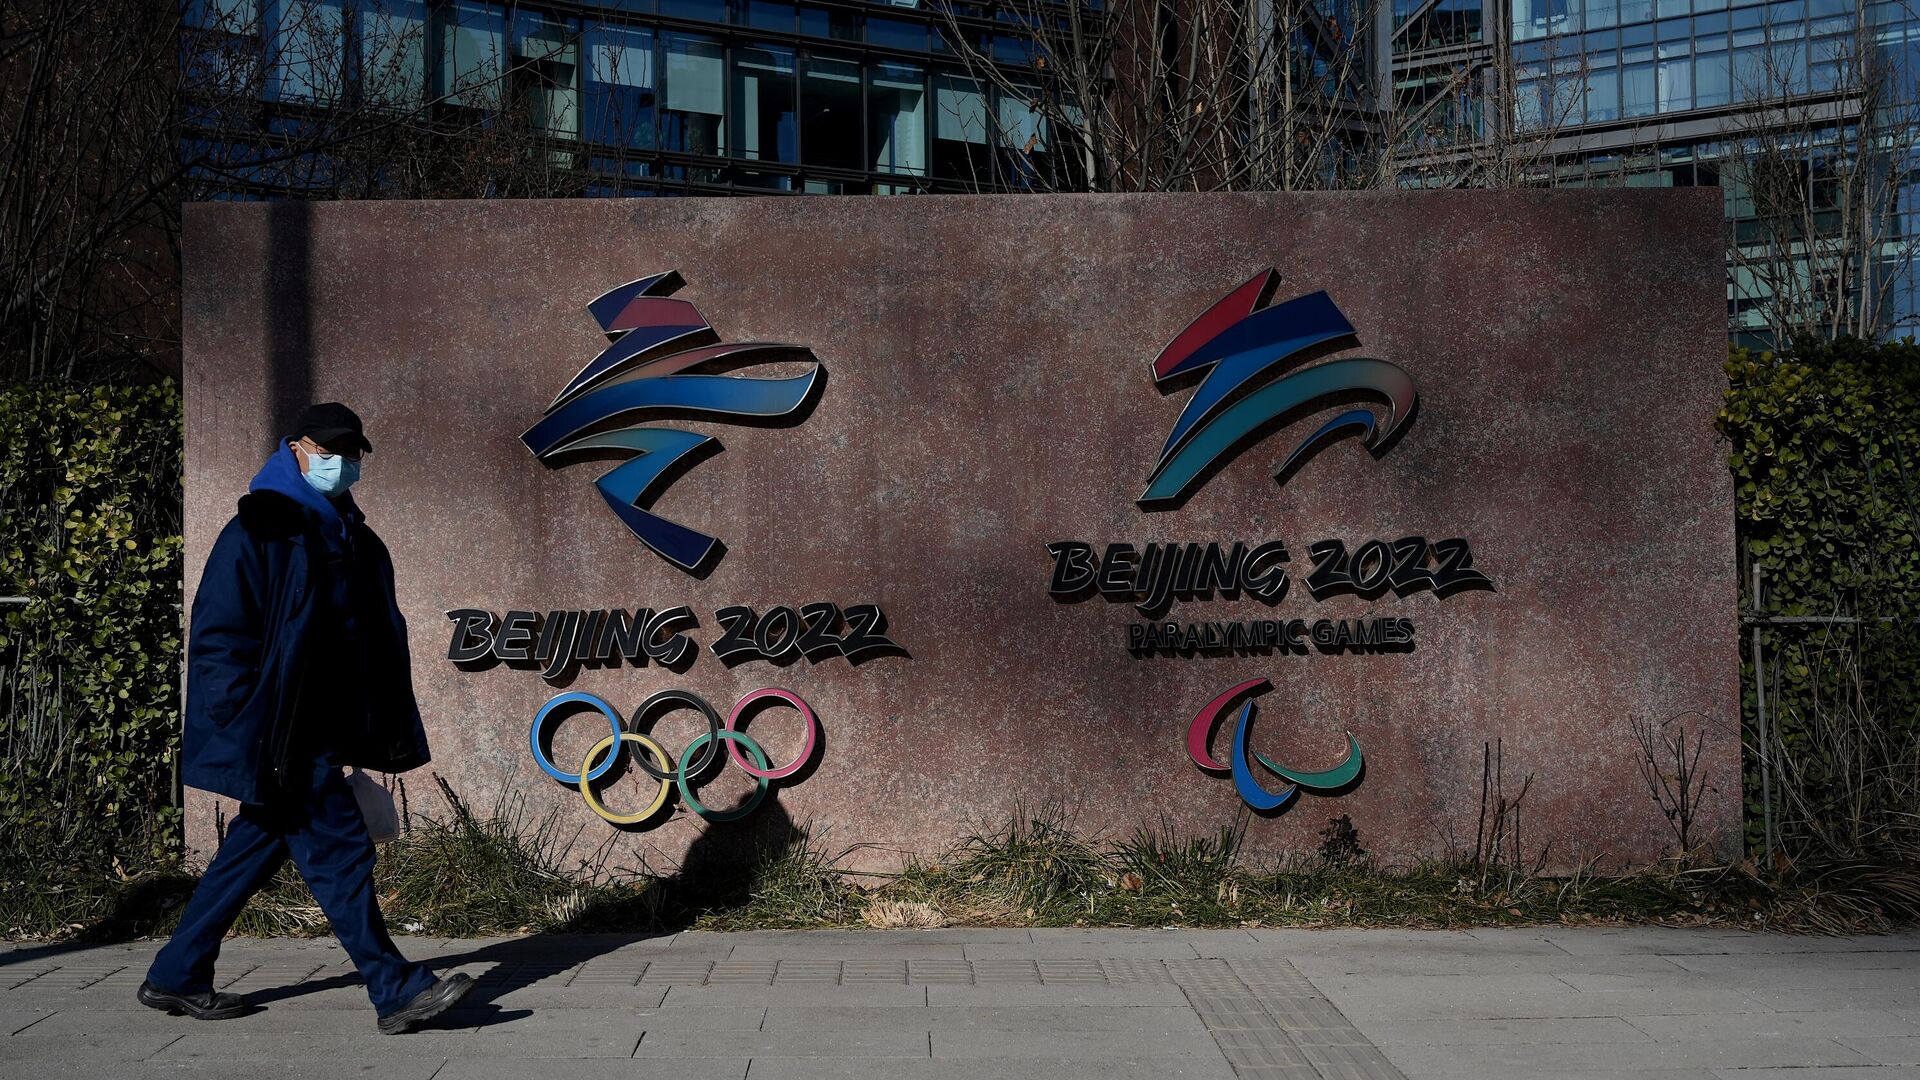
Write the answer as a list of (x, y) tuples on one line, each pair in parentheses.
[(657, 343), (1238, 342), (1241, 759), (664, 769)]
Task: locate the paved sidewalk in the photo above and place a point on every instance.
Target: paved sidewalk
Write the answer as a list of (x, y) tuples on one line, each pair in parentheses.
[(1066, 1004)]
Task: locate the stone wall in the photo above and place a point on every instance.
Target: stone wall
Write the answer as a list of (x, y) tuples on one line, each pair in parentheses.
[(989, 390)]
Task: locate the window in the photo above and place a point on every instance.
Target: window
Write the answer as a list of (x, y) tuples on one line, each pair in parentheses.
[(393, 51), (960, 129), (472, 53), (830, 23), (1787, 68), (546, 62), (897, 34), (1530, 18), (1636, 90), (897, 118), (231, 16), (306, 51), (1603, 95), (1750, 81), (1023, 135), (764, 125), (769, 15), (830, 125), (713, 11), (621, 90), (694, 105), (1676, 84), (1713, 77), (1529, 111)]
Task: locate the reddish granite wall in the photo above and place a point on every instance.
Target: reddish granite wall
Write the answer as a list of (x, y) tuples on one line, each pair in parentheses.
[(989, 391)]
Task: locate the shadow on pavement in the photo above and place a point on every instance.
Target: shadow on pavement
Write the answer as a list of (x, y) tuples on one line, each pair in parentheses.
[(717, 873)]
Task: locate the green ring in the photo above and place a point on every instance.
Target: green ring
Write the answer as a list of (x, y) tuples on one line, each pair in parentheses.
[(693, 804)]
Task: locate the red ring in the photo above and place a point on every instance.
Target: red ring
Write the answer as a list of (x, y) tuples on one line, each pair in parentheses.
[(806, 746)]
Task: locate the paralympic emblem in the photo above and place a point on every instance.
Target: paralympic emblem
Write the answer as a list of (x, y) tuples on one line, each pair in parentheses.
[(1241, 759), (656, 345), (660, 766), (1241, 340)]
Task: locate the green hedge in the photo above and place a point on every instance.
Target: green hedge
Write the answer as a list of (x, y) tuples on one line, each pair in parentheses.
[(1825, 458), (90, 667)]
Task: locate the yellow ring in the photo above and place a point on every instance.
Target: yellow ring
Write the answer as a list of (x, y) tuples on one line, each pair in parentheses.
[(605, 745)]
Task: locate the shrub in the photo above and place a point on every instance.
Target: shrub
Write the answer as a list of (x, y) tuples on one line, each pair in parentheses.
[(90, 665)]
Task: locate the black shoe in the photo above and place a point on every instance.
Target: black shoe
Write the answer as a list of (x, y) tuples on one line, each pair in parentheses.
[(427, 1004), (210, 1005)]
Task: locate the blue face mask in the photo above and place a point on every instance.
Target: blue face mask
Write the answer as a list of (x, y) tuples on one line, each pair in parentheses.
[(331, 474)]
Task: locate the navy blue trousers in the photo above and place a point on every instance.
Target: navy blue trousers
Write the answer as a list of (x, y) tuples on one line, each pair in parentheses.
[(322, 829)]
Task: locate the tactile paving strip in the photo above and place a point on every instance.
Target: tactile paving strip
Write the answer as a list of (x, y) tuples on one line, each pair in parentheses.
[(1272, 1024)]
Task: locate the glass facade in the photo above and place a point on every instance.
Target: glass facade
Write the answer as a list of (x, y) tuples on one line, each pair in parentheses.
[(1627, 63), (1656, 93), (668, 96)]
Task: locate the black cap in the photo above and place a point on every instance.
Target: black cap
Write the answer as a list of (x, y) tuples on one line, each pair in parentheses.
[(333, 426)]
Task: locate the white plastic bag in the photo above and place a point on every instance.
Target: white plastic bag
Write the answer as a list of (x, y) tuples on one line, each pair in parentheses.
[(376, 805)]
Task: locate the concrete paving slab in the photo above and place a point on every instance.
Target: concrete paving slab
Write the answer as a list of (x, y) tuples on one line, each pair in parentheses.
[(1054, 995), (1684, 940), (97, 1051), (1388, 1002), (1550, 1060), (1842, 1073), (768, 996), (1774, 962), (1558, 1029), (1616, 1074), (759, 1045), (1156, 948), (1832, 1024), (140, 1020), (426, 1042), (1805, 999), (586, 1016), (14, 1021), (1145, 1068), (1497, 962), (335, 1068), (903, 950), (1046, 1018), (1081, 1045), (597, 1069), (560, 996), (1886, 1050)]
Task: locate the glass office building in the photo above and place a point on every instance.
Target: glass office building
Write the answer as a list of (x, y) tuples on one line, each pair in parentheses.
[(666, 96), (1661, 93)]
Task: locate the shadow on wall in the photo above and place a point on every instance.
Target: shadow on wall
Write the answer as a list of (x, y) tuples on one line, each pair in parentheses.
[(289, 314)]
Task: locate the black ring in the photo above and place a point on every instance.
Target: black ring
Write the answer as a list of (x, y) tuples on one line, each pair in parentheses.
[(707, 751)]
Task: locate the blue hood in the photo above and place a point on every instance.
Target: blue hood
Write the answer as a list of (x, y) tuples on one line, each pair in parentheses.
[(281, 475)]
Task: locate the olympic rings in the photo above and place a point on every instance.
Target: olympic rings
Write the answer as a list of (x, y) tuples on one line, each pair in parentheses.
[(684, 698), (759, 791), (539, 722), (661, 766), (806, 745), (604, 746)]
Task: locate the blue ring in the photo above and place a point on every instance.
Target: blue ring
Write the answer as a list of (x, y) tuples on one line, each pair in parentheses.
[(540, 720)]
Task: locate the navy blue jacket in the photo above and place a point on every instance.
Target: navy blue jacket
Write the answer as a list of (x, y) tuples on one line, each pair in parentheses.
[(248, 648)]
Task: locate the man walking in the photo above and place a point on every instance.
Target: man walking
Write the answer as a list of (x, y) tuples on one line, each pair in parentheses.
[(297, 664)]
